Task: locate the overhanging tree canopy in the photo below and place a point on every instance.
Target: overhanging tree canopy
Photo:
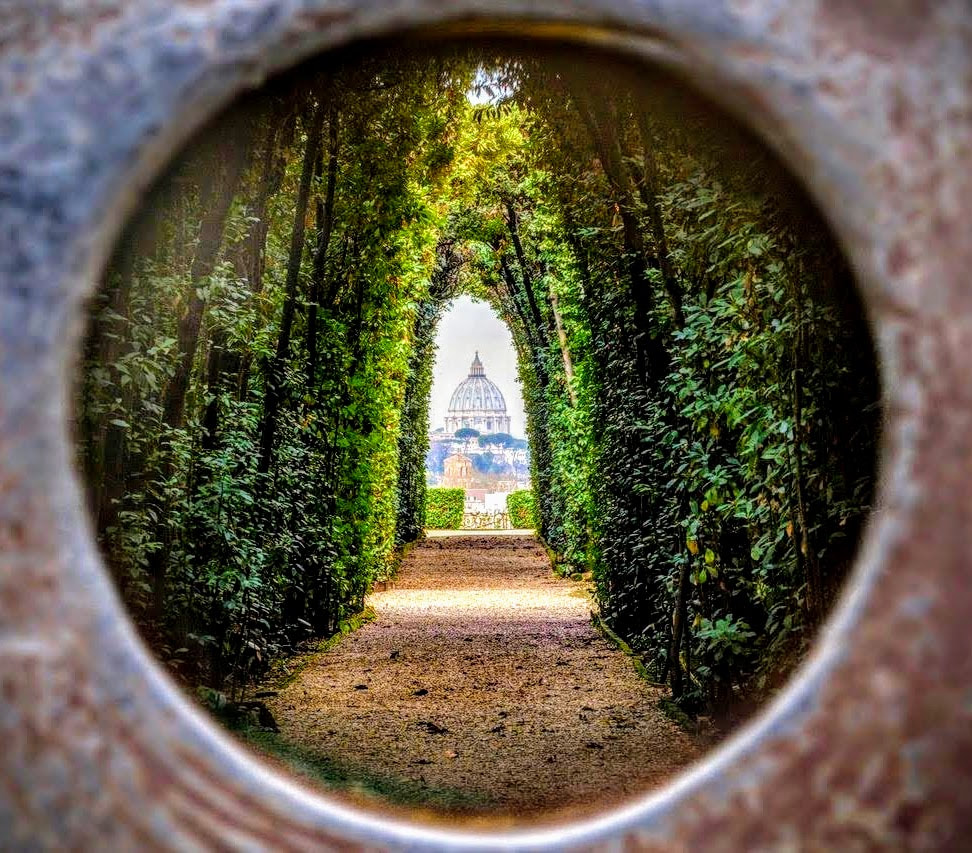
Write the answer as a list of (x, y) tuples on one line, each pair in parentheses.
[(699, 385)]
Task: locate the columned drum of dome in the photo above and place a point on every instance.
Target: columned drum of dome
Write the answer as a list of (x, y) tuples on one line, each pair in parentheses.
[(477, 404)]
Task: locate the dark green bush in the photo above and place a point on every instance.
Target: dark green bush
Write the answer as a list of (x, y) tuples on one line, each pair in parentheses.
[(444, 509), (698, 382), (254, 410), (521, 506)]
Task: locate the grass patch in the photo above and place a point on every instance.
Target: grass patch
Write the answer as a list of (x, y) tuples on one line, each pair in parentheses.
[(321, 770), (345, 627), (622, 646), (284, 672), (669, 707)]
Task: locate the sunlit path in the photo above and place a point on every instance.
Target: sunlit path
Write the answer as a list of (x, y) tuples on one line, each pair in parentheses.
[(483, 676)]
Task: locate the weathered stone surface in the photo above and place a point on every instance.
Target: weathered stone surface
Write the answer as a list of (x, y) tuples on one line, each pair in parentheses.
[(870, 102)]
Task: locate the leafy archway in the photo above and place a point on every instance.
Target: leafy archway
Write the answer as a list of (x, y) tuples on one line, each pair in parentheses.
[(699, 384)]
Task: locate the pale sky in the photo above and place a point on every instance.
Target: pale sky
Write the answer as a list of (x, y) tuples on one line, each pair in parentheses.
[(466, 327)]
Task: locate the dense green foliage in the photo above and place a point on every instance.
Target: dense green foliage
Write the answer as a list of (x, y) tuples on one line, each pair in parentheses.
[(521, 508), (699, 383), (700, 394), (444, 508), (254, 406), (413, 440)]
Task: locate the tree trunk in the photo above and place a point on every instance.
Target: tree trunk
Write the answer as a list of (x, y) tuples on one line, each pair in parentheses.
[(532, 328), (564, 348), (275, 372), (802, 540), (271, 179), (651, 355), (325, 227), (217, 208), (222, 365), (647, 184), (512, 222), (679, 618), (105, 443), (222, 190)]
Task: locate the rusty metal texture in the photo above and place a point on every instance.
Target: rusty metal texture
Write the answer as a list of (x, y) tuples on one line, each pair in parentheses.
[(869, 101)]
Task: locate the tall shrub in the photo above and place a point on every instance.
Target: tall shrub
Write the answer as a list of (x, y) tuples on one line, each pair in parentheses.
[(444, 509), (521, 507)]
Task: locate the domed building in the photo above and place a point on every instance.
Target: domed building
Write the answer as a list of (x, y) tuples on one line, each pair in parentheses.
[(477, 404)]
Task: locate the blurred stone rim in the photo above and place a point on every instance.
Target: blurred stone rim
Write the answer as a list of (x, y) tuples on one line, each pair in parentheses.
[(869, 102)]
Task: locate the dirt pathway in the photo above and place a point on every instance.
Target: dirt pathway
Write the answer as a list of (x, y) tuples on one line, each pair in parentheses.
[(483, 685)]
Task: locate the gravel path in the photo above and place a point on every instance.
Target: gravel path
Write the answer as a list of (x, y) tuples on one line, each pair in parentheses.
[(483, 676)]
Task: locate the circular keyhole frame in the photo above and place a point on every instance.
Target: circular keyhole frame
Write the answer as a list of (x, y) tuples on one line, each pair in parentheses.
[(861, 749)]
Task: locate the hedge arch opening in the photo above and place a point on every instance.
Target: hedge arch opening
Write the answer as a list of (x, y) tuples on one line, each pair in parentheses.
[(701, 399)]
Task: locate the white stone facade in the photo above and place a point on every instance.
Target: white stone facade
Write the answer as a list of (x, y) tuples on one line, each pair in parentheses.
[(477, 404)]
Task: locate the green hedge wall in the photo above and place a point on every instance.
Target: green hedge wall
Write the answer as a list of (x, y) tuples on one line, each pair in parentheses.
[(520, 506), (444, 508)]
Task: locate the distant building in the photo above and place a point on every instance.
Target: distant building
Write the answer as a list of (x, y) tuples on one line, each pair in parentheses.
[(487, 458), (477, 404), (458, 472)]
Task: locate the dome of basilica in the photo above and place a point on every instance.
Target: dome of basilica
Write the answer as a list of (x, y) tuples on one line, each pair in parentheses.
[(477, 404)]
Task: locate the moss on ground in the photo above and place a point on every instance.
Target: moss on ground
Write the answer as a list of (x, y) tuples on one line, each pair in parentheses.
[(284, 672), (622, 646), (320, 770)]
